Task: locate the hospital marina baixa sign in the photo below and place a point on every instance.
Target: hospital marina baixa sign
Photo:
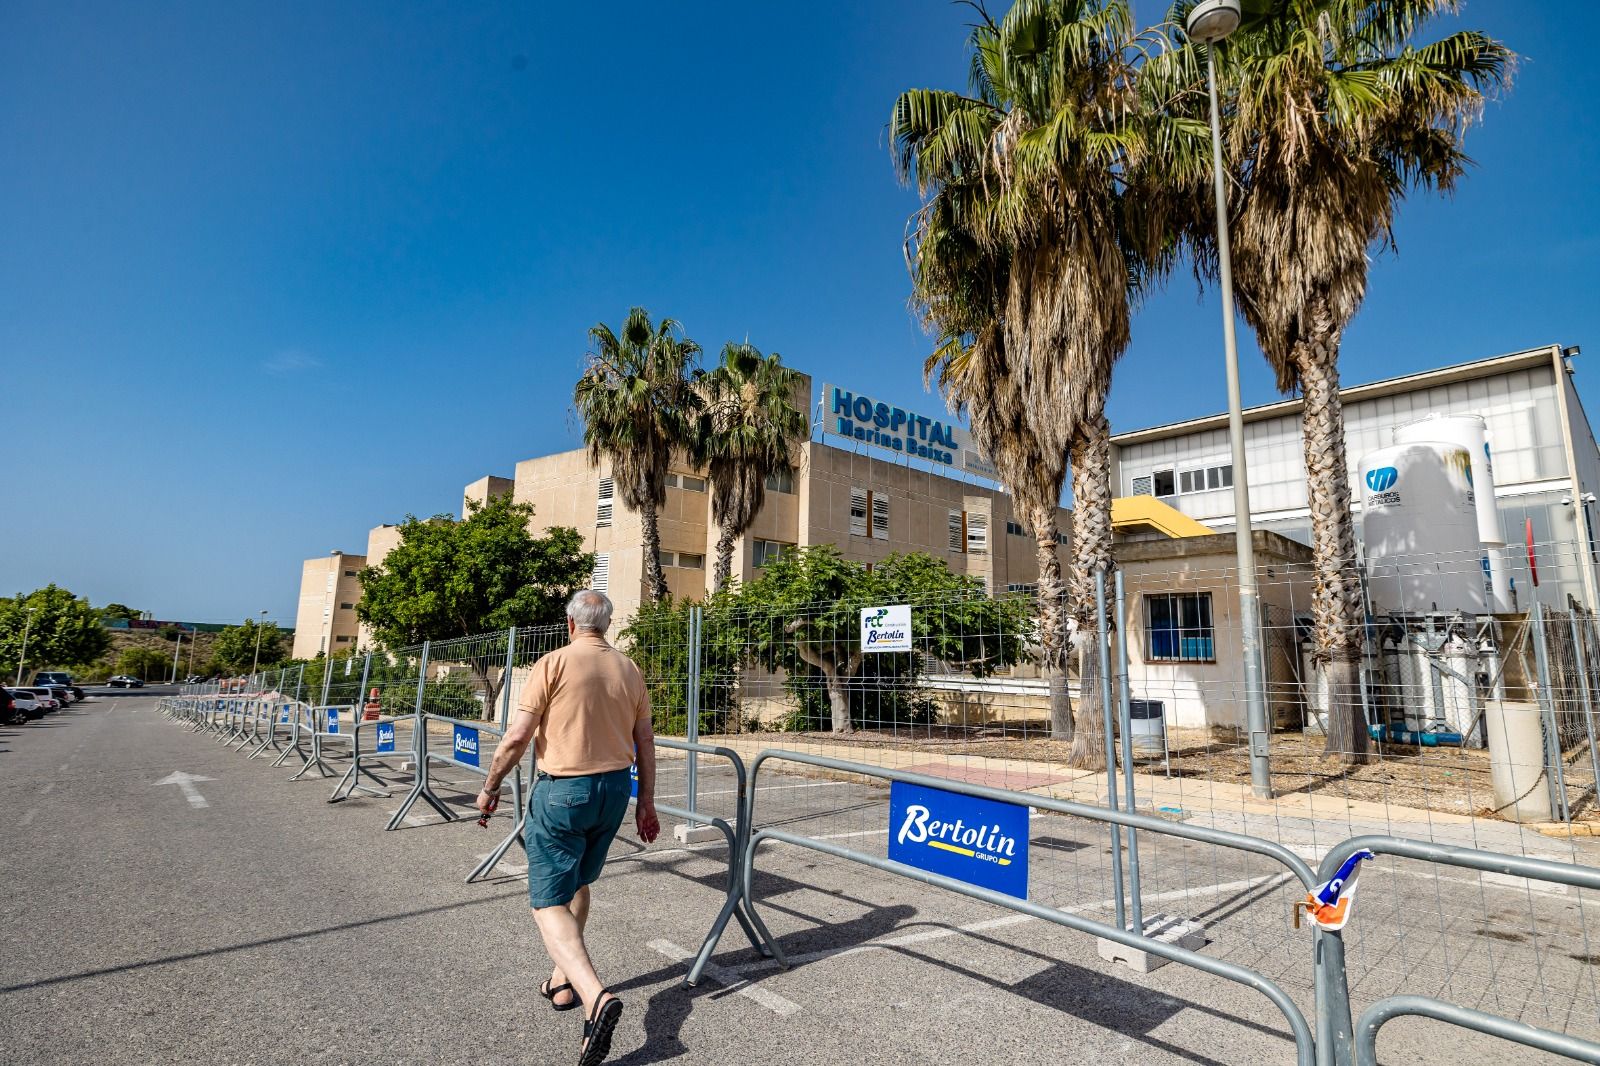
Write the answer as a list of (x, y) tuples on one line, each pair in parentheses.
[(936, 440)]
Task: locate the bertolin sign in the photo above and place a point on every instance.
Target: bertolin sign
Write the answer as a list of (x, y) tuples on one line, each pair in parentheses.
[(886, 628), (979, 841), (937, 440)]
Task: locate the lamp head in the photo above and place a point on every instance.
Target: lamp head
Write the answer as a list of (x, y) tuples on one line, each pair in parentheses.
[(1210, 21)]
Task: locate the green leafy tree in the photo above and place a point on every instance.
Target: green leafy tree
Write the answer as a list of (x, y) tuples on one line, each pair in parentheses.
[(640, 407), (484, 574), (1024, 268), (144, 663), (751, 431), (62, 630), (234, 650), (803, 616), (119, 612), (1332, 114), (657, 639)]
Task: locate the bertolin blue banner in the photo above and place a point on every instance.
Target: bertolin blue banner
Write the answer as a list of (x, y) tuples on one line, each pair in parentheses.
[(465, 743), (385, 736), (333, 719), (982, 842)]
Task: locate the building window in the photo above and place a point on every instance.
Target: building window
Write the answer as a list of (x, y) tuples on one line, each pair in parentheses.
[(864, 503), (1178, 628), (1030, 588), (349, 573), (687, 482), (683, 560), (600, 579), (1164, 483), (765, 552), (1142, 487), (605, 502), (1061, 539), (347, 607), (1015, 529), (969, 533), (977, 534), (781, 480), (341, 640), (1206, 478)]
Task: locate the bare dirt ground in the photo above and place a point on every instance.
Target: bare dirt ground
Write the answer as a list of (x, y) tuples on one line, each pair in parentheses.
[(1451, 780)]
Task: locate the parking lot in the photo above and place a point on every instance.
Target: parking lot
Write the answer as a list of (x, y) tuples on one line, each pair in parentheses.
[(264, 925)]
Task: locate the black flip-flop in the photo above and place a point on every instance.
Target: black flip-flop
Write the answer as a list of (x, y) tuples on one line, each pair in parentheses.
[(551, 993), (597, 1029)]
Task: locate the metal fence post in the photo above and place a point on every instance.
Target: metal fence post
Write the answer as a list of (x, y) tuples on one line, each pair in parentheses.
[(1552, 732), (327, 677), (1125, 709), (1335, 1031), (1580, 653), (366, 672), (692, 727), (1111, 751), (299, 681), (505, 678)]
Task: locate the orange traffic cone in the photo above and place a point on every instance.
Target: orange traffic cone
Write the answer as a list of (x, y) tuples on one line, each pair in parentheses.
[(373, 709)]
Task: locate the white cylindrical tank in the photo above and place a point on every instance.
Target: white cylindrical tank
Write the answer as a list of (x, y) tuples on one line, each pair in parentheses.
[(1420, 527), (1497, 578), (1465, 431)]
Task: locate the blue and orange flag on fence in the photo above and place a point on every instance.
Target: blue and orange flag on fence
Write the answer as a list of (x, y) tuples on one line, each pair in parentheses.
[(1328, 905)]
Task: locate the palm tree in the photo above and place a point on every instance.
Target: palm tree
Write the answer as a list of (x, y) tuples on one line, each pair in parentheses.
[(1332, 116), (751, 429), (640, 404), (1023, 270)]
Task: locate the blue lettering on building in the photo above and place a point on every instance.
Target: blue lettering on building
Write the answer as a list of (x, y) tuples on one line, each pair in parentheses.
[(863, 419), (980, 841)]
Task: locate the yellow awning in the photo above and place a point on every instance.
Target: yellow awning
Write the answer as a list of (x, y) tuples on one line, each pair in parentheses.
[(1132, 514)]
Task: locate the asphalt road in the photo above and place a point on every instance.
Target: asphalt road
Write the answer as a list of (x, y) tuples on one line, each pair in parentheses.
[(253, 923)]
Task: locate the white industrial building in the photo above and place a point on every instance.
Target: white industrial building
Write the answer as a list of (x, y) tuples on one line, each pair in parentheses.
[(1546, 465)]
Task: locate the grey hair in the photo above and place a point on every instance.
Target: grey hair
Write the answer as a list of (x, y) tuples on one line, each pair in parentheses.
[(590, 610)]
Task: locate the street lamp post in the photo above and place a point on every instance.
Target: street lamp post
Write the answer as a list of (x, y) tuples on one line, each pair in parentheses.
[(27, 623), (257, 659), (1209, 22)]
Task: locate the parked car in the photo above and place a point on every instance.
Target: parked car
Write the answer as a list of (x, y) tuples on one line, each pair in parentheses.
[(58, 677), (60, 692), (46, 698), (193, 679), (124, 681), (10, 713), (26, 702)]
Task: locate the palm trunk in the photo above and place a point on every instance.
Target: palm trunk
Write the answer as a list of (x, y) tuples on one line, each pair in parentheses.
[(1052, 622), (1091, 555), (655, 582), (1339, 620), (724, 568)]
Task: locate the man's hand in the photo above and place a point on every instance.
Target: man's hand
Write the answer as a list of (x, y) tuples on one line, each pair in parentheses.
[(486, 801), (645, 817)]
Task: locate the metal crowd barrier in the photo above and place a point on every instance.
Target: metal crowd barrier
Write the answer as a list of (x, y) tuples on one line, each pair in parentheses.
[(329, 725), (1334, 1035), (384, 747), (1305, 1045)]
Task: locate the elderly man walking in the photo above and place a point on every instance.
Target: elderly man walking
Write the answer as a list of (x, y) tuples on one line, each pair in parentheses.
[(586, 711)]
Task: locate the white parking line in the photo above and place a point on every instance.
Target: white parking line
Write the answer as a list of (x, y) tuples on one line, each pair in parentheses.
[(770, 1000)]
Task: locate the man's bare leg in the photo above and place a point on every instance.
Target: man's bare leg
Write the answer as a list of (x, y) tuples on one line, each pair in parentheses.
[(563, 939), (580, 912)]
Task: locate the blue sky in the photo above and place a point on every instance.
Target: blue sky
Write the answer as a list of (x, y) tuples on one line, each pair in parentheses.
[(273, 273)]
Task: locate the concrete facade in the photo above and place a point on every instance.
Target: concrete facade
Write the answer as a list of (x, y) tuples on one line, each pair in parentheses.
[(898, 508), (325, 619)]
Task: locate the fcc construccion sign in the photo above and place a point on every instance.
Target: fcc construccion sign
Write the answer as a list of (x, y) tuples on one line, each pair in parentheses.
[(886, 628)]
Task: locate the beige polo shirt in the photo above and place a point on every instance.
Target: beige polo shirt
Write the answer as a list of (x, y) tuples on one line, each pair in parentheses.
[(585, 700)]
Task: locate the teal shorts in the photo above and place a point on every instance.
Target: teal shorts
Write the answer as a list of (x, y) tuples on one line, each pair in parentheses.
[(571, 823)]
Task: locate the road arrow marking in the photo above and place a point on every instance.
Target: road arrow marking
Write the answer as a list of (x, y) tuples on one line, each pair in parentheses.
[(186, 783)]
